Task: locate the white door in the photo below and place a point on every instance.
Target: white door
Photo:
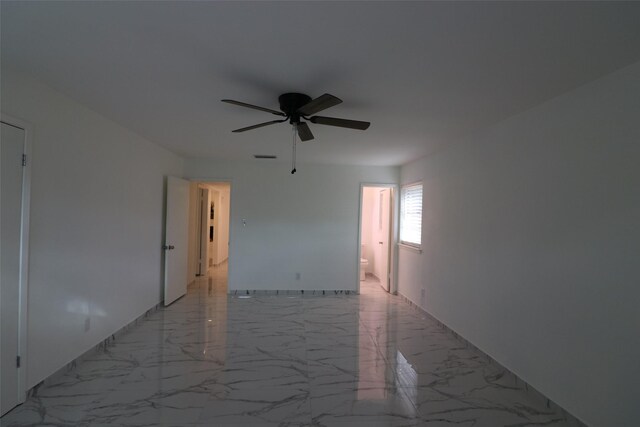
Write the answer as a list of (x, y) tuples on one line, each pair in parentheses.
[(176, 254), (11, 151), (383, 242)]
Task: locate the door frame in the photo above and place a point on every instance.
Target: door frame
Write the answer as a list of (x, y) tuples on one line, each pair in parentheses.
[(394, 208), (24, 252)]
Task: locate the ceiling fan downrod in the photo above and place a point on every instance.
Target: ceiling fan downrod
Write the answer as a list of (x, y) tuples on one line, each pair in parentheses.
[(293, 157)]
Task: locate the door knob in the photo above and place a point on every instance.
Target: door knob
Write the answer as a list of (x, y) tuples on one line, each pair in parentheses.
[(379, 243), (168, 247)]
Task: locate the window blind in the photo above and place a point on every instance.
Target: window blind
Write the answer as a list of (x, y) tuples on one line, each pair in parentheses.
[(411, 214)]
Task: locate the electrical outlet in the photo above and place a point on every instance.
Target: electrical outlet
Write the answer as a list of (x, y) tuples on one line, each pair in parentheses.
[(87, 324), (298, 276)]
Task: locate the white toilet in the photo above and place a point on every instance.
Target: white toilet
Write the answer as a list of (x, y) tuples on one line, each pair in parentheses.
[(364, 263)]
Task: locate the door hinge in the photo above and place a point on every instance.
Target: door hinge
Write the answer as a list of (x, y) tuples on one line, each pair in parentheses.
[(24, 160), (17, 361)]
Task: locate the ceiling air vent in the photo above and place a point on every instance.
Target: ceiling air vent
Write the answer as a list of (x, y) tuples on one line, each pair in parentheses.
[(264, 156)]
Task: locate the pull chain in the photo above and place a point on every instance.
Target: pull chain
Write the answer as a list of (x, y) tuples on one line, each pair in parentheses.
[(293, 157)]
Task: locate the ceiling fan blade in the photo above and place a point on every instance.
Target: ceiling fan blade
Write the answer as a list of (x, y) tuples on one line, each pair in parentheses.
[(259, 125), (343, 123), (304, 132), (320, 103), (255, 107)]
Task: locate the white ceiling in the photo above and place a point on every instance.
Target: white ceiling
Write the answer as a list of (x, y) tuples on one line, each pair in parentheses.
[(424, 73)]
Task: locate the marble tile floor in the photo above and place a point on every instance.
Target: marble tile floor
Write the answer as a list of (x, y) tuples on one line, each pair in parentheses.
[(213, 359)]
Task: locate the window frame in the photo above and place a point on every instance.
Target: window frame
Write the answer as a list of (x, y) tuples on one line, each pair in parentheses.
[(403, 191)]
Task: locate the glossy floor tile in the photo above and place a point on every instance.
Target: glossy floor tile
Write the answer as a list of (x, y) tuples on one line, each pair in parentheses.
[(213, 359)]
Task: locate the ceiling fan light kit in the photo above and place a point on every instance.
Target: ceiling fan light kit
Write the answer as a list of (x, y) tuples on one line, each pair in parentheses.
[(295, 107)]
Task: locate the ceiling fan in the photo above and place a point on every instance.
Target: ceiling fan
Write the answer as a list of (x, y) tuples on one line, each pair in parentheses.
[(296, 107)]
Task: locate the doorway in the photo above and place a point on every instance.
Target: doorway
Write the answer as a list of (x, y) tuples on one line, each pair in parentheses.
[(210, 206), (376, 236), (14, 218)]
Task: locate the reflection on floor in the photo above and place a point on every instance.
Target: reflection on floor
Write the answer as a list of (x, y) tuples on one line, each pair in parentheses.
[(336, 360)]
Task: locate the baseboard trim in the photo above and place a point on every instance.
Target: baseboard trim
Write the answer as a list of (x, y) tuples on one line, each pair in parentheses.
[(572, 420), (289, 292)]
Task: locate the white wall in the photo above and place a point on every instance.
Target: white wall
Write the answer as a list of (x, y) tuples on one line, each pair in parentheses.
[(305, 223), (96, 224), (531, 240)]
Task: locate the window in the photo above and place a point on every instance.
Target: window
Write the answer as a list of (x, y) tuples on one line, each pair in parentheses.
[(411, 214)]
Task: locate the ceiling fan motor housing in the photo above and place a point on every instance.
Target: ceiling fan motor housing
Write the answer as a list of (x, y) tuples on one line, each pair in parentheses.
[(290, 102)]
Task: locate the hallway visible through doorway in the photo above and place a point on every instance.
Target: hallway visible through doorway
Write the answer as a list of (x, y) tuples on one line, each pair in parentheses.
[(209, 223)]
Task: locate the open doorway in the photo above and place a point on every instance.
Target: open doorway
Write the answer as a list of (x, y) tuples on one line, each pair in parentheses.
[(376, 236), (210, 205)]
